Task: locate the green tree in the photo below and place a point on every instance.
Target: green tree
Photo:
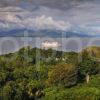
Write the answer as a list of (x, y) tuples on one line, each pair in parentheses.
[(87, 67), (62, 75)]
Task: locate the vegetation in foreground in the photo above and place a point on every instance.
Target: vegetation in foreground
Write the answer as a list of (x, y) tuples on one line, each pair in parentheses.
[(31, 74)]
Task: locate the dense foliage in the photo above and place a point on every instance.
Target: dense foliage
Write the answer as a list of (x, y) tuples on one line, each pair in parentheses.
[(31, 74)]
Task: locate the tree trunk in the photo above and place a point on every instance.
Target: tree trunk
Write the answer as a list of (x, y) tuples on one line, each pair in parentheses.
[(87, 78)]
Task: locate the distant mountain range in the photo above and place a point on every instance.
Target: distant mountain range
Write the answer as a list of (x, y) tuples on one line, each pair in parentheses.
[(41, 33)]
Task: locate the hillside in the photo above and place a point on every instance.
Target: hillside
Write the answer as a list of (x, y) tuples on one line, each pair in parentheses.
[(93, 52), (37, 74)]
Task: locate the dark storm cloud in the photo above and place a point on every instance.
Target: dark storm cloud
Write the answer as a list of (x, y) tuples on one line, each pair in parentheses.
[(59, 4), (5, 3)]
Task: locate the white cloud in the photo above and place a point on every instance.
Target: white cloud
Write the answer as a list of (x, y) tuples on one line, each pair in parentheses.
[(43, 22), (28, 20)]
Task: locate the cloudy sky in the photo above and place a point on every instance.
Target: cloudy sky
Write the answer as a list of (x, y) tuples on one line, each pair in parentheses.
[(80, 16)]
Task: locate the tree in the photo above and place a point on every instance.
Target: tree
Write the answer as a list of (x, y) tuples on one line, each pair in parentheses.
[(3, 77), (8, 92), (87, 67), (62, 75), (35, 89)]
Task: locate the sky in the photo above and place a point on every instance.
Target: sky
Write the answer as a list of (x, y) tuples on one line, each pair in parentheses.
[(79, 16)]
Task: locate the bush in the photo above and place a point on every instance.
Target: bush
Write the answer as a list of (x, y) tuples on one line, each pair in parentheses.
[(95, 81)]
